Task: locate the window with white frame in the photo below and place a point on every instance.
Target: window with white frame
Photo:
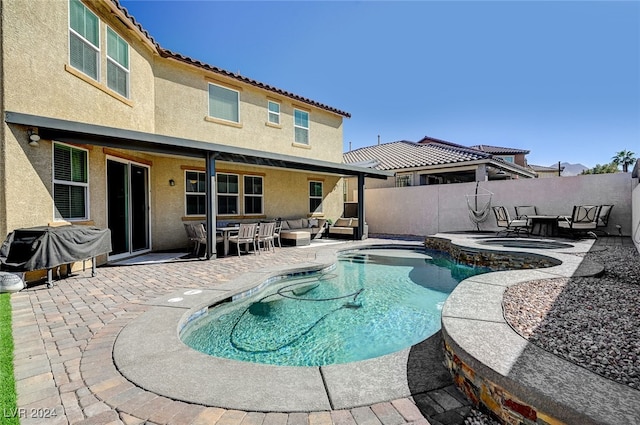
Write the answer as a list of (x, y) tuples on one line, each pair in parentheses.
[(117, 63), (253, 195), (228, 193), (84, 39), (224, 103), (301, 126), (315, 197), (70, 182), (195, 192), (274, 112)]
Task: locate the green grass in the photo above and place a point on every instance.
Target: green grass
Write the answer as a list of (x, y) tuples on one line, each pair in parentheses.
[(8, 410)]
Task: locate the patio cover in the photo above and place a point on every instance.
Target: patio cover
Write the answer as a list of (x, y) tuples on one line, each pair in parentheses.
[(82, 133)]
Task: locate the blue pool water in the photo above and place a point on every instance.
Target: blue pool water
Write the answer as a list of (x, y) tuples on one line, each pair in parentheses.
[(374, 302)]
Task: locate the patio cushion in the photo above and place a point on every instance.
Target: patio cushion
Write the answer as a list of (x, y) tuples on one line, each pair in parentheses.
[(343, 222), (295, 224)]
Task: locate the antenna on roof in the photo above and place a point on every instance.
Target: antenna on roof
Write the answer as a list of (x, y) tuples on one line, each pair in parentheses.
[(349, 146), (378, 139)]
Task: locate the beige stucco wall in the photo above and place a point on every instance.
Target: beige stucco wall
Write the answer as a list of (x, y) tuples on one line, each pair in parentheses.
[(166, 97), (182, 105), (286, 195), (424, 210), (40, 82)]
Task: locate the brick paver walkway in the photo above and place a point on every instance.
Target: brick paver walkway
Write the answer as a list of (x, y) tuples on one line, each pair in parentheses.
[(64, 338)]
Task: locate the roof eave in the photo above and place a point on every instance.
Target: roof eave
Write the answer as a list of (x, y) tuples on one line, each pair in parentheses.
[(82, 133)]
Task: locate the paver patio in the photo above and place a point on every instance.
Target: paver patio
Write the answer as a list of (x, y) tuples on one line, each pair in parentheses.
[(64, 338)]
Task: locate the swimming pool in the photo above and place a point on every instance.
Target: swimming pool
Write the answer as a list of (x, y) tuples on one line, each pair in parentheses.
[(373, 302)]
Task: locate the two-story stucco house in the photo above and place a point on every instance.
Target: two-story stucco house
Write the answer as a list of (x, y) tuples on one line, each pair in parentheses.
[(103, 126)]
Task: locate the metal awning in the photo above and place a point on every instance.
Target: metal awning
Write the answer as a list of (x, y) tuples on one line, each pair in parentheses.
[(81, 133)]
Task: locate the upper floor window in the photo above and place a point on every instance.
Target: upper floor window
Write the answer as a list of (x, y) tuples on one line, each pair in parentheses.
[(228, 193), (117, 63), (301, 126), (315, 196), (274, 112), (70, 182), (253, 195), (84, 39), (195, 193), (224, 103), (509, 158)]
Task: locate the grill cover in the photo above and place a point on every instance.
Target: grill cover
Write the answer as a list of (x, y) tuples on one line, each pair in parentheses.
[(45, 247)]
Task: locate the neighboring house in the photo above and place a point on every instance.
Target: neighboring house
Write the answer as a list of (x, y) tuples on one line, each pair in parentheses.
[(544, 172), (511, 155), (430, 161), (103, 126)]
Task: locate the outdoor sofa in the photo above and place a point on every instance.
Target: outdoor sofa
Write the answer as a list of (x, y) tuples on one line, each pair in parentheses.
[(300, 231), (347, 227)]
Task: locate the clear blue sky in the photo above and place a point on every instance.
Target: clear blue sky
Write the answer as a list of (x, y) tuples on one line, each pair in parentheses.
[(561, 79)]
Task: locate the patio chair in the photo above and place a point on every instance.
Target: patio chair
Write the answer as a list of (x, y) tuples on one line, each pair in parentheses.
[(511, 226), (603, 218), (583, 220), (198, 235), (265, 236), (191, 235), (524, 211), (276, 233), (246, 235)]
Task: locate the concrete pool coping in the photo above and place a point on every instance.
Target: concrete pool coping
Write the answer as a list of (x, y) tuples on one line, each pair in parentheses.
[(483, 340)]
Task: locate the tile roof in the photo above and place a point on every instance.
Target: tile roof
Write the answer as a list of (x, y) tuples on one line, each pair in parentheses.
[(185, 59), (544, 168), (498, 150), (406, 154)]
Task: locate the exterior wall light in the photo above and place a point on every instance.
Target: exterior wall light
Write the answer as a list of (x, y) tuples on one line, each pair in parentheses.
[(33, 138), (172, 182)]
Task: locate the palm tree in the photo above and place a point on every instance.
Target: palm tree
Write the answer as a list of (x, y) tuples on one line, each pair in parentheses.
[(624, 158)]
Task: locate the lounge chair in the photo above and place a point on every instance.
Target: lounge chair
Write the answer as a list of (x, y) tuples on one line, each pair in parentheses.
[(246, 235), (511, 226), (583, 220)]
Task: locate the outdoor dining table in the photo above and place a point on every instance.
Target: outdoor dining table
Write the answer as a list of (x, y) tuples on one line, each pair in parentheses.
[(226, 232), (544, 225)]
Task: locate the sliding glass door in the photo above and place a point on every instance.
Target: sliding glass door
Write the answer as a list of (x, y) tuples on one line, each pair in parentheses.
[(128, 207)]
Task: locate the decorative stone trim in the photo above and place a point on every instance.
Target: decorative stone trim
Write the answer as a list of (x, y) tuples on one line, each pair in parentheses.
[(491, 398), (497, 260), (503, 374)]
